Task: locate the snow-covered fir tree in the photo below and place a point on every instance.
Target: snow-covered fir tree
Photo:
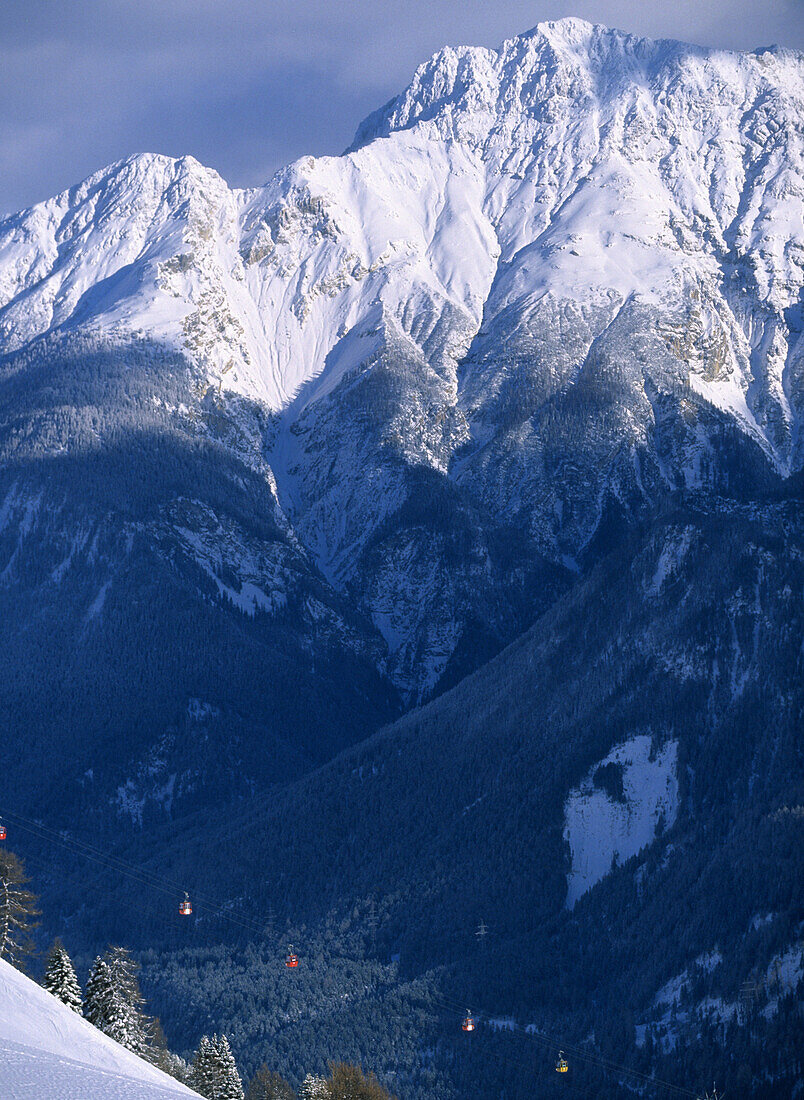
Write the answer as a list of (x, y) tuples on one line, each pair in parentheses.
[(113, 1004), (230, 1087), (124, 970), (314, 1088), (214, 1072), (99, 994), (61, 979), (202, 1072)]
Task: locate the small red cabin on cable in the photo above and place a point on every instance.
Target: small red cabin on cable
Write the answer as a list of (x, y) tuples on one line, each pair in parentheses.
[(468, 1023), (292, 960), (3, 833), (185, 908)]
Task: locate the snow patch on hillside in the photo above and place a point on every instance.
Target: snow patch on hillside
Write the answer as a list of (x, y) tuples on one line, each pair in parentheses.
[(602, 830), (784, 975), (671, 558), (47, 1052)]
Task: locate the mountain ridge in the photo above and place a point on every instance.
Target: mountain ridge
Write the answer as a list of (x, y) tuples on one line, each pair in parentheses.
[(582, 218)]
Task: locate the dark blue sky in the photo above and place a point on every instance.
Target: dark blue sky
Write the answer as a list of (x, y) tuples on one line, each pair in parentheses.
[(247, 85)]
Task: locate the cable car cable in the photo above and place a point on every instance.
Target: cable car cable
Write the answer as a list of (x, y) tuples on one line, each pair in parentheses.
[(142, 877), (116, 863), (84, 850), (530, 1031), (490, 1055), (152, 882), (605, 1068), (80, 847)]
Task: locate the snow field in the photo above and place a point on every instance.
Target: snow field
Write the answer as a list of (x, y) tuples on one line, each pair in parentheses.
[(598, 828), (47, 1052)]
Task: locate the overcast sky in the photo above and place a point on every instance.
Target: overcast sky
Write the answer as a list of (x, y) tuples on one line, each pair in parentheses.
[(247, 85)]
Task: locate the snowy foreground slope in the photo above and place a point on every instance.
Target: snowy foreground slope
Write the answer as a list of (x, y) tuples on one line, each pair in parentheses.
[(47, 1052)]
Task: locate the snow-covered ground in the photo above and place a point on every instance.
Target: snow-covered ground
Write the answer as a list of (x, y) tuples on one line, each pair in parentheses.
[(600, 829), (783, 975), (47, 1052)]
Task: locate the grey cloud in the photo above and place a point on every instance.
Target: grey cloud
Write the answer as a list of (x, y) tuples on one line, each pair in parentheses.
[(246, 85)]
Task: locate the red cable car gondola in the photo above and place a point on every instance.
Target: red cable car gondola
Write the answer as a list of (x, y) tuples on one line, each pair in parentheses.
[(292, 960), (185, 908), (468, 1023), (3, 833)]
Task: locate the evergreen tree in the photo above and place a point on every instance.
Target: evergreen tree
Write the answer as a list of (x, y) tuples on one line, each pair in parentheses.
[(314, 1088), (202, 1072), (113, 1001), (268, 1085), (17, 911), (214, 1072), (98, 997), (60, 978), (228, 1084), (124, 970)]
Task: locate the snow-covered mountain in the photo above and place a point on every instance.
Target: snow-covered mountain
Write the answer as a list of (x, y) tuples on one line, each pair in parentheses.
[(576, 164), (47, 1052), (549, 286)]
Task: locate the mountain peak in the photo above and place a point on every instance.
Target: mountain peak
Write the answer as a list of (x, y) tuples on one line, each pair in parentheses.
[(568, 163), (570, 29), (563, 59), (551, 58)]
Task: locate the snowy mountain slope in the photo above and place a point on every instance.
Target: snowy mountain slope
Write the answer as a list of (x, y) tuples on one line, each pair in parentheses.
[(47, 1052), (547, 284), (144, 564), (547, 279), (576, 163)]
